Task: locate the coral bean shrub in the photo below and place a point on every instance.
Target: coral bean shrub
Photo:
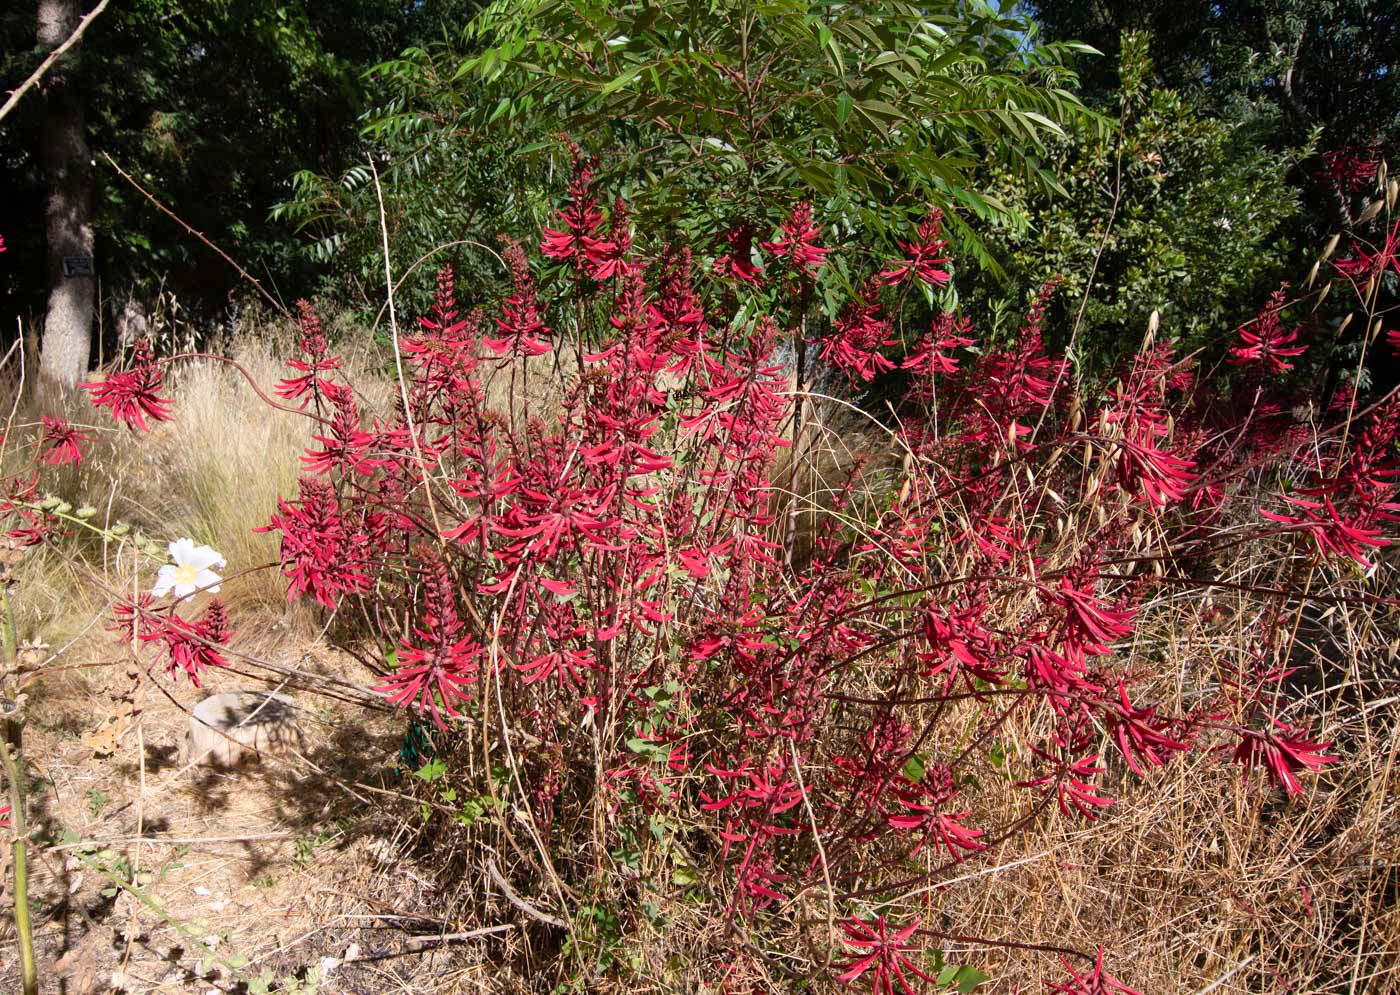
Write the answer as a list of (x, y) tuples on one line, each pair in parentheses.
[(669, 712)]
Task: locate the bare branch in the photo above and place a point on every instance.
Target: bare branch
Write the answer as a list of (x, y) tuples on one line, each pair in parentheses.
[(54, 56)]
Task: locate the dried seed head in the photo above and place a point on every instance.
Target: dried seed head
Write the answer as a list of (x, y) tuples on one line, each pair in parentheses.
[(1372, 209), (1312, 273), (1331, 246), (1345, 321), (1327, 289), (1392, 191)]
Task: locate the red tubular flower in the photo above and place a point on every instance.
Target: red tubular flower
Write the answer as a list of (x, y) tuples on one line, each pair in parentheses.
[(1150, 473), (1140, 734), (191, 646), (312, 343), (880, 952), (522, 327), (132, 394), (1095, 982), (737, 263), (1330, 531), (347, 447), (861, 332), (1073, 785), (934, 353), (922, 257), (799, 241), (1264, 342), (130, 618), (609, 257), (1348, 170), (1364, 265), (321, 554), (435, 668), (1282, 751), (62, 440), (582, 222)]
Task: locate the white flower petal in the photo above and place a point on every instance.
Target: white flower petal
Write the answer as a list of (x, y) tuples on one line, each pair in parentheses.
[(181, 550), (207, 578), (184, 590), (165, 580), (202, 558)]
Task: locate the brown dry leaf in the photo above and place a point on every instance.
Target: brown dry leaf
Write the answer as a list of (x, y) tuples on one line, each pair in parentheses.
[(79, 967), (105, 739)]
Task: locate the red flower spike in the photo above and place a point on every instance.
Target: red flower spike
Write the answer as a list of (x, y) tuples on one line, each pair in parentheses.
[(322, 555), (132, 394), (1364, 265), (737, 263), (922, 257), (798, 243), (1073, 785), (1095, 982), (190, 646), (861, 332), (62, 441), (1330, 531), (1264, 344), (311, 385), (880, 952), (1139, 734), (1348, 170), (521, 324), (582, 222), (1282, 751), (438, 663)]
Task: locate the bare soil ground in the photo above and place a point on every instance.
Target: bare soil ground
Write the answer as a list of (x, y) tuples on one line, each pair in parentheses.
[(280, 867)]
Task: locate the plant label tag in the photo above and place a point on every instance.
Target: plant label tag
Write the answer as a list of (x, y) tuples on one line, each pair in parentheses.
[(78, 266)]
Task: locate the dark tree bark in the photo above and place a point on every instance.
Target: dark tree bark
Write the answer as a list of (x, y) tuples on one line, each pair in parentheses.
[(67, 164)]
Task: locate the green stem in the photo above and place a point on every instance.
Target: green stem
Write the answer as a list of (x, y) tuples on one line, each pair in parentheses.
[(23, 929), (7, 630), (14, 773)]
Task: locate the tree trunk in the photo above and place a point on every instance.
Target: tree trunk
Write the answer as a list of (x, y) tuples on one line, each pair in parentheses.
[(67, 164)]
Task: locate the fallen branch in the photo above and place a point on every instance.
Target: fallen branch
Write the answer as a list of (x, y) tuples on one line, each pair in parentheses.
[(517, 901)]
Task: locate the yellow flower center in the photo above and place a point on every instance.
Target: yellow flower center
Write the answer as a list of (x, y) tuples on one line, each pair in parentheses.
[(186, 574)]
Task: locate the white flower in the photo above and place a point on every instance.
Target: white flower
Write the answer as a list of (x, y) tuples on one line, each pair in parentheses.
[(190, 572)]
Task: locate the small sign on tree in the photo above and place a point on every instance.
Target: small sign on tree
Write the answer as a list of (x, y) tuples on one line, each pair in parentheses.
[(78, 266)]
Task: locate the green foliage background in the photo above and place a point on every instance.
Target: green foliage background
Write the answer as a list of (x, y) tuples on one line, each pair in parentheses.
[(1189, 154)]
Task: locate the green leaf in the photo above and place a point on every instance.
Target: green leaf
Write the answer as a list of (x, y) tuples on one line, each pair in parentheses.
[(843, 107), (431, 771), (969, 978)]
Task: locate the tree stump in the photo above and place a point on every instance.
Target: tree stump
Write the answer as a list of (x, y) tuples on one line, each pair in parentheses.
[(229, 728)]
